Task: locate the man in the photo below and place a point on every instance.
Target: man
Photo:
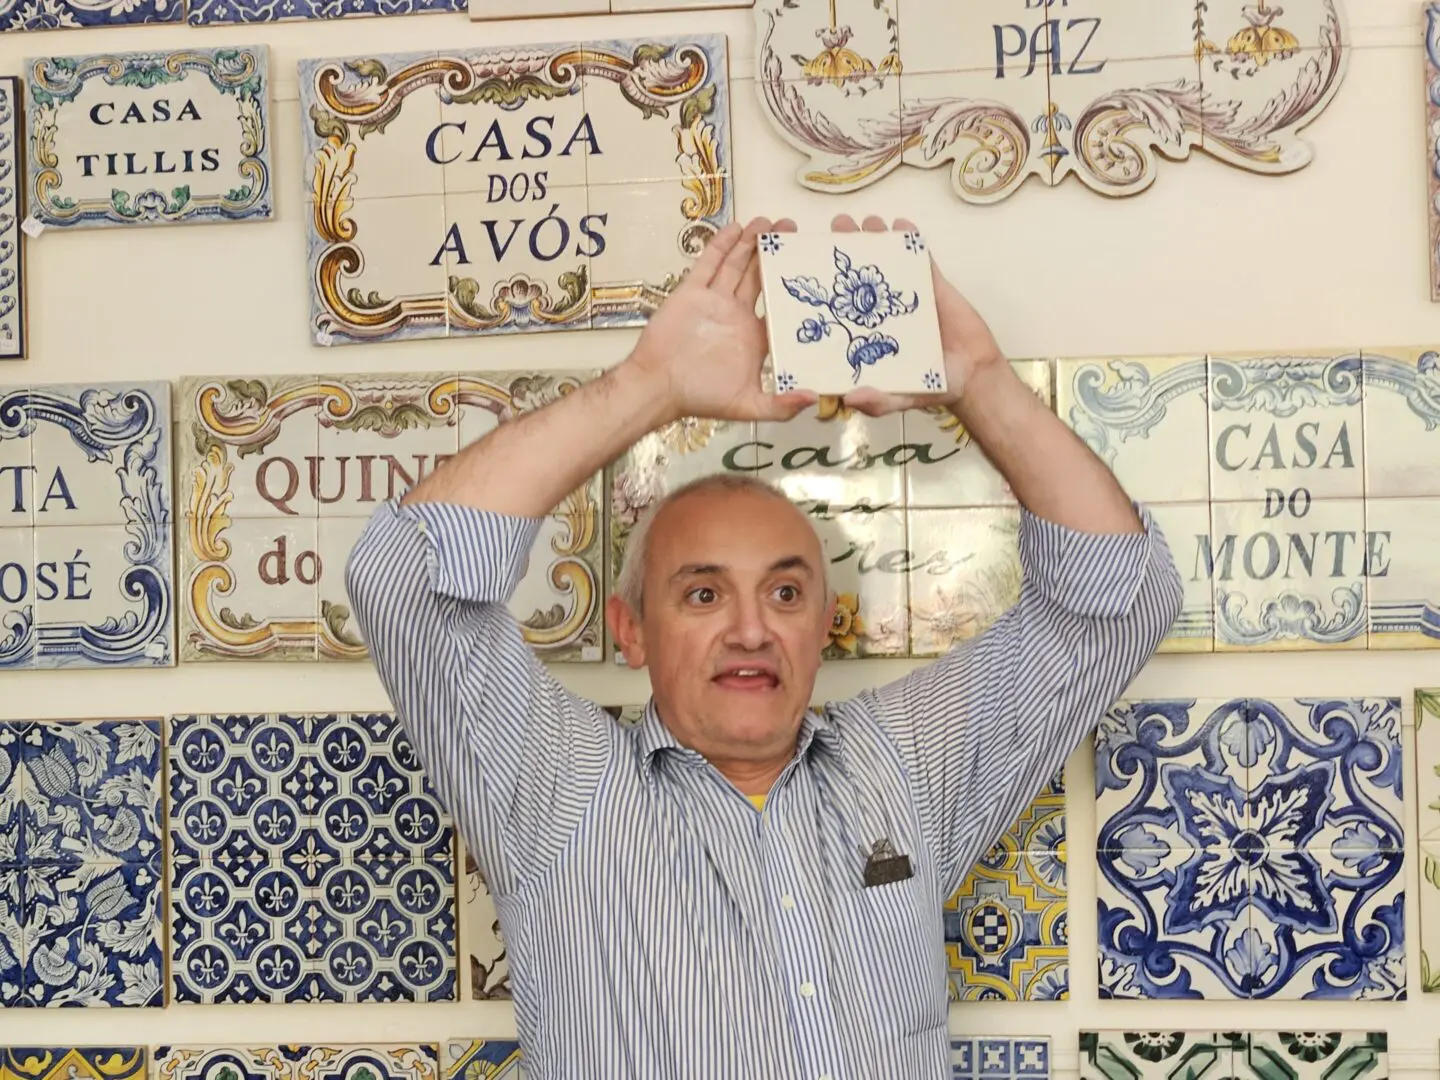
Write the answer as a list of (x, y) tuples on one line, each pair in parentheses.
[(740, 886)]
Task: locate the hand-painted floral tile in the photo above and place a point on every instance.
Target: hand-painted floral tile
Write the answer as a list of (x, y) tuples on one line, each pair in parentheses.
[(1289, 579), (1006, 926), (93, 935), (483, 1059), (13, 308), (519, 148), (12, 929), (480, 937), (869, 562), (944, 466), (848, 310), (1008, 93), (1146, 418), (1402, 423), (1239, 857), (1154, 1055), (150, 138), (216, 12), (1000, 1057), (1311, 1055), (336, 1061), (964, 572), (73, 1063)]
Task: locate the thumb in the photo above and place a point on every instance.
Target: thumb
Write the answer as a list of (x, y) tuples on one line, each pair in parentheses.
[(784, 406)]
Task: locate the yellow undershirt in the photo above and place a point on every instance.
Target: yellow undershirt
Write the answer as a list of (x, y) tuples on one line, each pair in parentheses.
[(757, 801)]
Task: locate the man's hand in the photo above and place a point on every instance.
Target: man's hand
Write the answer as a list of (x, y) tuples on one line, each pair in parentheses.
[(970, 349), (705, 346)]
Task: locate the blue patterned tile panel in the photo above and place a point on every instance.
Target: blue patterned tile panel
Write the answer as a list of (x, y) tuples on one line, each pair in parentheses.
[(93, 935), (12, 936), (1000, 1057), (19, 15), (1251, 849), (483, 1059), (336, 1061), (214, 12), (73, 1062)]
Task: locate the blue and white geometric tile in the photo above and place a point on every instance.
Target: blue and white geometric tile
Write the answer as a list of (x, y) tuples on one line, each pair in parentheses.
[(1000, 1057), (1402, 417), (18, 15), (1402, 574), (12, 257), (215, 12), (1157, 1055), (490, 1059)]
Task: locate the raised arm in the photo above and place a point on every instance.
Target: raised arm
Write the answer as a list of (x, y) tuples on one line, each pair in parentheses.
[(985, 726), (513, 755)]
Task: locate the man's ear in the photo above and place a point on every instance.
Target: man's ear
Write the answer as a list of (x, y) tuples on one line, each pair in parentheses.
[(625, 630)]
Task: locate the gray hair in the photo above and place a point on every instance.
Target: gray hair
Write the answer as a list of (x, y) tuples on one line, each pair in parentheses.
[(630, 586)]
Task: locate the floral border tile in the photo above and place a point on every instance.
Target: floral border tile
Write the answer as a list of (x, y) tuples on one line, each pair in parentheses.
[(74, 1063), (220, 12), (14, 293)]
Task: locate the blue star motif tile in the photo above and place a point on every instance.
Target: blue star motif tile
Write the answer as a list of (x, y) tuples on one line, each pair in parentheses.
[(1251, 848), (999, 1058)]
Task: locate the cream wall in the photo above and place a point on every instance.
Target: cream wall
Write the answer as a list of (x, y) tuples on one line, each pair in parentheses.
[(1210, 258)]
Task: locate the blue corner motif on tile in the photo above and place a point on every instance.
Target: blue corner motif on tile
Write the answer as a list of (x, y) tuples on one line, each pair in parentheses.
[(217, 12), (199, 121), (1000, 1058), (1251, 849)]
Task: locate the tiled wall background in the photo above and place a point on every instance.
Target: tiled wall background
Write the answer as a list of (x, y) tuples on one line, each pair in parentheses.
[(1208, 260)]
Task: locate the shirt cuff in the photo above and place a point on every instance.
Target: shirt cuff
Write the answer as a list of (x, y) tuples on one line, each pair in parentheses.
[(1095, 575), (473, 554)]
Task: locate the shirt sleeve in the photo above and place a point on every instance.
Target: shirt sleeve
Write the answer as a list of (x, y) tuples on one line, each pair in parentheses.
[(513, 756), (982, 729)]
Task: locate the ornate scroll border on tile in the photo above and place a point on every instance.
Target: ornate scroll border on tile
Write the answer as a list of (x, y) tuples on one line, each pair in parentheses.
[(12, 250), (1432, 140), (240, 72)]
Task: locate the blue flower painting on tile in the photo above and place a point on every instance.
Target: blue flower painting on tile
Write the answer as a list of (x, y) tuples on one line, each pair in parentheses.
[(861, 297), (1251, 848), (213, 12)]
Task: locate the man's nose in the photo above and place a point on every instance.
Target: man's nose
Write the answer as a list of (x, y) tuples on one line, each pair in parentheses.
[(749, 627)]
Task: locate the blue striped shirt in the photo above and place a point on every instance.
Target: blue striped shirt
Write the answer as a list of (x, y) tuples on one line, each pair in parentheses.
[(658, 926)]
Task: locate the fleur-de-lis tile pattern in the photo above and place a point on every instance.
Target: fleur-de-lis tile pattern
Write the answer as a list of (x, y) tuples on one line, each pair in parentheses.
[(80, 863), (310, 860), (1006, 934), (1241, 1055), (1251, 848)]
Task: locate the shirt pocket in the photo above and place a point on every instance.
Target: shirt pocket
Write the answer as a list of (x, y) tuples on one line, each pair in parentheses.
[(899, 937)]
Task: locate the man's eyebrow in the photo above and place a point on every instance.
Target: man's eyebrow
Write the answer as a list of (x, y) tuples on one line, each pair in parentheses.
[(793, 562), (789, 562), (697, 570)]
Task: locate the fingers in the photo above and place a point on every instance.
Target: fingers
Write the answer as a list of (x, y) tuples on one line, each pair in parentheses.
[(874, 402), (786, 406), (703, 271), (874, 224), (844, 223), (741, 258), (784, 225), (905, 225)]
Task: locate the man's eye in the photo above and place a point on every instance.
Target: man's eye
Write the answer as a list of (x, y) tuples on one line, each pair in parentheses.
[(704, 595), (788, 593)]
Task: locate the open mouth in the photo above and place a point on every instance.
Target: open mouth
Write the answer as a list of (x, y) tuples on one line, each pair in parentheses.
[(752, 678)]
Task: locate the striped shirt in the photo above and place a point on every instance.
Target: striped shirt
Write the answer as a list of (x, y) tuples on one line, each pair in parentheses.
[(658, 925)]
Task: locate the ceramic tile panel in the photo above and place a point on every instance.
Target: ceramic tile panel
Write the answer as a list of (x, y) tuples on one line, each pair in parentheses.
[(1402, 423), (1146, 418), (1000, 1057), (378, 1060), (1240, 857), (504, 231), (12, 931), (534, 9), (150, 138), (17, 483), (1153, 1055), (1432, 148), (835, 458), (560, 601), (1311, 1055), (1006, 926), (17, 612), (1427, 763), (1402, 579), (339, 629), (1429, 877), (73, 1062), (220, 12), (868, 564), (964, 573), (13, 293), (480, 937), (847, 310), (72, 15), (944, 466), (1186, 529), (492, 1059), (1289, 574)]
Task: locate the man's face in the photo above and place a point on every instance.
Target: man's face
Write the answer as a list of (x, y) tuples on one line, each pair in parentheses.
[(735, 615)]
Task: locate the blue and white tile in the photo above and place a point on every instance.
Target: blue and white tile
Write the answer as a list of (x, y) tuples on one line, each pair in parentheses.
[(1000, 1057), (12, 935), (1402, 423), (1288, 574), (13, 290), (944, 466), (1157, 1055), (381, 931), (1186, 528), (1311, 1055), (216, 12), (1402, 574), (17, 599), (12, 791), (20, 15), (235, 931), (91, 791), (492, 1059), (1286, 423), (17, 503), (1146, 418), (94, 935)]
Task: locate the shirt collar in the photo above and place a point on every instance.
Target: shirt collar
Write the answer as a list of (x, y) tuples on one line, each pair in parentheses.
[(816, 728)]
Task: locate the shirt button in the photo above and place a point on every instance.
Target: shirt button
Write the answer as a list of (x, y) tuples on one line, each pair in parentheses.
[(787, 902), (807, 989)]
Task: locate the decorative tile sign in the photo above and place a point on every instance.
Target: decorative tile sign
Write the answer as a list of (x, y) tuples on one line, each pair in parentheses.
[(534, 9), (323, 832), (1006, 936), (12, 255), (552, 187), (73, 1063), (80, 867), (149, 138), (1251, 849), (1432, 127), (1003, 90), (86, 578), (217, 12), (336, 1061), (517, 189), (1427, 796), (279, 476), (1000, 1057), (1233, 1055)]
